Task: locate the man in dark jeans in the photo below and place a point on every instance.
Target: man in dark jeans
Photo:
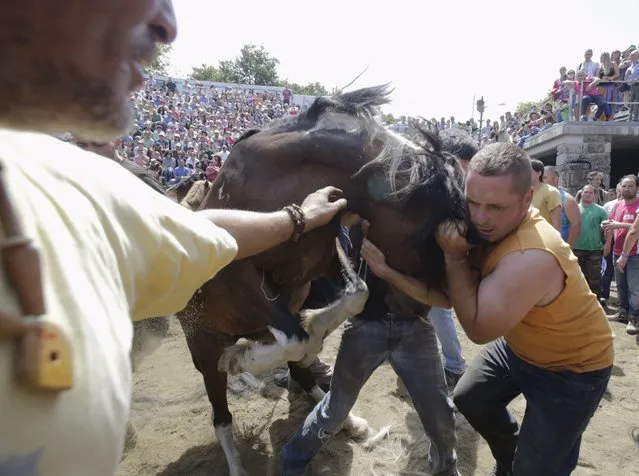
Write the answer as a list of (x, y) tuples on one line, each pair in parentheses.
[(380, 334), (557, 345)]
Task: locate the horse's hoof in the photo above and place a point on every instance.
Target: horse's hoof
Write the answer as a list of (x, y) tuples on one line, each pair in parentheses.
[(357, 428)]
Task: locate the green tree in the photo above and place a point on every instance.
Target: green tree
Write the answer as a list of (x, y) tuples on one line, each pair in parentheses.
[(207, 72), (311, 89), (162, 62), (254, 65), (388, 119), (524, 108)]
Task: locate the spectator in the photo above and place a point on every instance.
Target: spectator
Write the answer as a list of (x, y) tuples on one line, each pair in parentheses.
[(588, 85), (622, 217), (546, 199), (590, 248)]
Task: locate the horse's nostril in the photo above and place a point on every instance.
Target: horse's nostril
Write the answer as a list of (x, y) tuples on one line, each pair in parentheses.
[(160, 33)]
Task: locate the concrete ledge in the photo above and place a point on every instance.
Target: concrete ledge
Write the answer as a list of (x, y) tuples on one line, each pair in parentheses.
[(595, 134)]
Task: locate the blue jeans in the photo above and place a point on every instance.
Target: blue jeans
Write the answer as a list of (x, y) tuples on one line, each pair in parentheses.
[(444, 325), (410, 345), (559, 406), (628, 285)]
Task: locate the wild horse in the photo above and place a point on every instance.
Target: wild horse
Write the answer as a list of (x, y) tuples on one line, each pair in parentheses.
[(404, 189)]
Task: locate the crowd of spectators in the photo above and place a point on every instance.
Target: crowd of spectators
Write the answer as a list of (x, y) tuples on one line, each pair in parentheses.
[(178, 132), (604, 90), (189, 129)]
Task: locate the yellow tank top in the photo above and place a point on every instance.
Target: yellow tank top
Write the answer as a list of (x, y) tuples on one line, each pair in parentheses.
[(572, 332)]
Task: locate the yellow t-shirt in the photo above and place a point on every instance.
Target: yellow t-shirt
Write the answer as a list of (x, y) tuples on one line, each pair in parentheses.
[(572, 332), (546, 199), (112, 249)]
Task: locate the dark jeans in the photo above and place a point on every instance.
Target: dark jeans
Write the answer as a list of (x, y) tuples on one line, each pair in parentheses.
[(628, 285), (559, 406), (599, 100)]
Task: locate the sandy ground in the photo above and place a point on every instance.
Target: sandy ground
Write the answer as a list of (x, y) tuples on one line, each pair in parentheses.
[(175, 435)]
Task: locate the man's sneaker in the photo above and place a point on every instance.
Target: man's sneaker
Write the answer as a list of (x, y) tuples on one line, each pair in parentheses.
[(633, 326), (620, 316), (500, 470)]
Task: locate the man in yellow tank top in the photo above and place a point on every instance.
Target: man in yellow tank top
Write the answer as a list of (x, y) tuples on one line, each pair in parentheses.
[(548, 338)]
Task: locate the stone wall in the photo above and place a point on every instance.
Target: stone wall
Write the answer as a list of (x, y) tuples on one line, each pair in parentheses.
[(577, 156)]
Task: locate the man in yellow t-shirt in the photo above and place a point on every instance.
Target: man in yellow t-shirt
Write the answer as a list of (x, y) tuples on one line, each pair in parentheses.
[(108, 254), (548, 337), (546, 198)]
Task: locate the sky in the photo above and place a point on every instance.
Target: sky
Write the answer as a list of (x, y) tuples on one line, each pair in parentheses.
[(438, 56)]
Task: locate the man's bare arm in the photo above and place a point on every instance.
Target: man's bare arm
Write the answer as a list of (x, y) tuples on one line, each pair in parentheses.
[(555, 218), (415, 288), (256, 232), (574, 218), (491, 308), (409, 285)]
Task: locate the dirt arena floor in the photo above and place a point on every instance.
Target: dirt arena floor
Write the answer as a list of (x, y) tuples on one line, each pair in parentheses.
[(175, 436)]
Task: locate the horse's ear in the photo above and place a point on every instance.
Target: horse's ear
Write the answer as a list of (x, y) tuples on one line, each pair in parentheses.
[(247, 134)]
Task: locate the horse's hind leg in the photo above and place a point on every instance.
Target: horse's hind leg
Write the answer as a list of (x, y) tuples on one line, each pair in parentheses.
[(206, 349), (256, 358), (319, 323)]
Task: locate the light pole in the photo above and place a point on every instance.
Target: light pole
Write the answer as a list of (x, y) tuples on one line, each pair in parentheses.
[(481, 105)]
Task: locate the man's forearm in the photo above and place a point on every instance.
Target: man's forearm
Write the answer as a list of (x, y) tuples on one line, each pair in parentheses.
[(416, 289), (463, 287), (629, 241), (254, 232), (573, 235)]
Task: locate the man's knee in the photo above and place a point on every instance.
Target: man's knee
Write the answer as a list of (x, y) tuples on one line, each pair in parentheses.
[(465, 396)]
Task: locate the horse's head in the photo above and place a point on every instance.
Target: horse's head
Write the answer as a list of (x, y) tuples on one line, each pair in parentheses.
[(341, 141), (426, 181)]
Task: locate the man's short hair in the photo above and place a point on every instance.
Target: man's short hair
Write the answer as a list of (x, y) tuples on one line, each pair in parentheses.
[(500, 159), (538, 166), (632, 177), (551, 170), (459, 143)]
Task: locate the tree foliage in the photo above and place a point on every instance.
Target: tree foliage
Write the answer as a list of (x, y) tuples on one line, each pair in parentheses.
[(162, 62), (254, 65), (311, 89), (388, 119), (524, 108), (206, 72)]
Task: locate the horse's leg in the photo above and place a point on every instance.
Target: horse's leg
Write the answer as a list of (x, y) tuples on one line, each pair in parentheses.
[(290, 340), (321, 322), (256, 358), (206, 349)]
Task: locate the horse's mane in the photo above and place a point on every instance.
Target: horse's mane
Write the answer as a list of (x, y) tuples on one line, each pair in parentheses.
[(361, 104), (196, 195)]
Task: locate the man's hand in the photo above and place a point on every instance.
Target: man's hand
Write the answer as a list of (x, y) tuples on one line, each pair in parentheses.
[(375, 259), (621, 263), (451, 239), (608, 225), (319, 207)]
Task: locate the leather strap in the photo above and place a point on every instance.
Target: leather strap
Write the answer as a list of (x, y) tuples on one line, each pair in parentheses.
[(44, 360), (298, 219)]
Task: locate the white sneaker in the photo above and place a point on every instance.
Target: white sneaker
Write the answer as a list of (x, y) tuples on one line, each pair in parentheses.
[(633, 326)]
